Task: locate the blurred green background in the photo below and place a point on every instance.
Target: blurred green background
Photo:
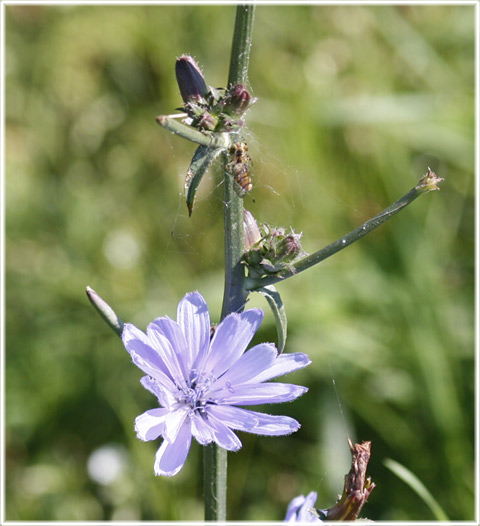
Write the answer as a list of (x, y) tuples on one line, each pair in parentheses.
[(354, 102)]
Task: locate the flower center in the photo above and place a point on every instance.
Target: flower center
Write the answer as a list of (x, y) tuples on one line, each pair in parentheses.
[(195, 395)]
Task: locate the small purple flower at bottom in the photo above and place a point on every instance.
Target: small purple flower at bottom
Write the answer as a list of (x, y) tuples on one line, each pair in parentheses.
[(300, 509), (199, 381)]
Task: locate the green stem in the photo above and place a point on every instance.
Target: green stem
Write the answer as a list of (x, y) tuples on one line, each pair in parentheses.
[(235, 293), (242, 42), (217, 140), (426, 184)]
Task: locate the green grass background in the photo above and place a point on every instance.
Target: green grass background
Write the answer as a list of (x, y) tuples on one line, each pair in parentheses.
[(354, 102)]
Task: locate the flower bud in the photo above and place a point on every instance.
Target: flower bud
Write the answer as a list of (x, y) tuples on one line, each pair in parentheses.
[(274, 251), (252, 232), (289, 247), (207, 121), (190, 79), (429, 182), (238, 100)]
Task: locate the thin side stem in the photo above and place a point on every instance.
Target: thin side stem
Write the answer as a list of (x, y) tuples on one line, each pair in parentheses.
[(217, 140), (235, 293), (426, 184)]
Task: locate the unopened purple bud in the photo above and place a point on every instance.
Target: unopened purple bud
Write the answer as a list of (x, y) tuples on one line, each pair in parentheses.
[(190, 79), (238, 100)]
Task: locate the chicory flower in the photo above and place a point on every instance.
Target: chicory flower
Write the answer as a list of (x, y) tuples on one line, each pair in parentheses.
[(301, 509), (200, 381)]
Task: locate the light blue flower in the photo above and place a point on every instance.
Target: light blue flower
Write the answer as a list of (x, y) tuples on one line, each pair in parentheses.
[(300, 509), (200, 380)]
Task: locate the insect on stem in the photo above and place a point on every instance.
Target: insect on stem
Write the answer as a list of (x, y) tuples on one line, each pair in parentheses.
[(239, 168)]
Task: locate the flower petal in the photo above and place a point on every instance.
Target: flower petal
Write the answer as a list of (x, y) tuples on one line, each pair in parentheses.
[(305, 513), (151, 424), (253, 394), (164, 396), (166, 350), (174, 422), (249, 365), (293, 508), (253, 421), (272, 425), (174, 334), (201, 429), (234, 417), (299, 509), (171, 456), (230, 340), (285, 363), (224, 436), (194, 320), (144, 356)]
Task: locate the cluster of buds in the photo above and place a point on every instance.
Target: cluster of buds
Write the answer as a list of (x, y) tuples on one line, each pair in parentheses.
[(210, 109), (269, 250)]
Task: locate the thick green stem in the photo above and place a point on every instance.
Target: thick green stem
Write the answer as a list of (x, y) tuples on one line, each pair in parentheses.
[(215, 482), (242, 42), (235, 293), (426, 184)]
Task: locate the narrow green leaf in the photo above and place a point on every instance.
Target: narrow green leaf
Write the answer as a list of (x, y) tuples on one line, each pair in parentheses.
[(278, 309), (202, 159), (418, 487)]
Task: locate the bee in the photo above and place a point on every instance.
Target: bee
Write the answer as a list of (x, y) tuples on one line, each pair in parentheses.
[(239, 167)]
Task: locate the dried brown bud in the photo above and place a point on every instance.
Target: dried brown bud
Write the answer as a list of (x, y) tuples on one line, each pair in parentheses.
[(357, 487)]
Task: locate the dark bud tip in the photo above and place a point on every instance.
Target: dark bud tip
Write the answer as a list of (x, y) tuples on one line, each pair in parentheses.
[(190, 79)]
